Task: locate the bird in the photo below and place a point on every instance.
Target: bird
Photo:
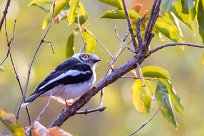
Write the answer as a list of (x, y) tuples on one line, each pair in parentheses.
[(69, 81)]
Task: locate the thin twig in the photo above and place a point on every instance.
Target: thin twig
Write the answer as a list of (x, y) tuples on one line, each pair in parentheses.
[(118, 52), (44, 109), (143, 82), (10, 45), (50, 44), (33, 58), (175, 44), (148, 121), (121, 41), (133, 77), (41, 113), (35, 53), (98, 41), (4, 13), (7, 54), (80, 30), (130, 27), (86, 111)]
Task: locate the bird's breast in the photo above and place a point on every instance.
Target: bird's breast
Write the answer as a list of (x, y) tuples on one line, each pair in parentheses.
[(73, 91)]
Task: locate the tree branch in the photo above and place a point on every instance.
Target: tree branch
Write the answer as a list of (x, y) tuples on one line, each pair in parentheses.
[(152, 20), (4, 13), (174, 44), (130, 27)]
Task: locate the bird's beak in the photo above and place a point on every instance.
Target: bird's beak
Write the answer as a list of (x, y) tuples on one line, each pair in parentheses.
[(96, 60)]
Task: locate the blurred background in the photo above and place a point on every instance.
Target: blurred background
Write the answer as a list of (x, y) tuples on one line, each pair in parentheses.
[(120, 117)]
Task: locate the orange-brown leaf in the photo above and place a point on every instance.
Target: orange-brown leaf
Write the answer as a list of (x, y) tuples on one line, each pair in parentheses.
[(137, 7), (56, 131)]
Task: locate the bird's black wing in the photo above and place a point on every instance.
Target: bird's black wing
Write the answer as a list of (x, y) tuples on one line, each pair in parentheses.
[(55, 78), (69, 62)]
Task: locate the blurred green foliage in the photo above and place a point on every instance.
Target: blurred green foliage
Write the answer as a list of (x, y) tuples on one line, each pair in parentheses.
[(120, 117)]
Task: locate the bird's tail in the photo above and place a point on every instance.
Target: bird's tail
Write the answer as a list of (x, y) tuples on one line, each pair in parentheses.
[(27, 102)]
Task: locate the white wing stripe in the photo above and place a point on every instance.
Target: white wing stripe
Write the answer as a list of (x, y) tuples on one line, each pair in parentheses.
[(68, 73)]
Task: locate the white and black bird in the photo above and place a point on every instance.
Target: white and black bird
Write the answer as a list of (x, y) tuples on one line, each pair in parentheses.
[(70, 80)]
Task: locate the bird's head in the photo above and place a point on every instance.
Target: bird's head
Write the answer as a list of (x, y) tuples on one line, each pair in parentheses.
[(86, 58)]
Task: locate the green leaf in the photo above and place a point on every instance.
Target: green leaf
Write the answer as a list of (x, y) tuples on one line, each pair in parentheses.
[(83, 16), (187, 5), (70, 44), (140, 97), (166, 5), (1, 69), (185, 18), (158, 34), (120, 14), (155, 72), (114, 3), (166, 109), (59, 5), (43, 4), (90, 41), (200, 17), (10, 121), (72, 12), (176, 100), (168, 28)]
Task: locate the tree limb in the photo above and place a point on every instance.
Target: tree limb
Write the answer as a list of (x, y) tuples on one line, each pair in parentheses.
[(174, 44), (152, 20)]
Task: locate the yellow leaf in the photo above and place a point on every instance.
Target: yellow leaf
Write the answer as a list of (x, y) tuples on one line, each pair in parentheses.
[(10, 121), (141, 97)]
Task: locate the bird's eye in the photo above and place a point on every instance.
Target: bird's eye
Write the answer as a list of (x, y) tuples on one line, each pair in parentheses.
[(85, 56)]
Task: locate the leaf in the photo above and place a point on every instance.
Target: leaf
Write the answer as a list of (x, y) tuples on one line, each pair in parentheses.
[(187, 5), (176, 100), (59, 5), (168, 28), (140, 97), (1, 69), (200, 15), (43, 4), (120, 14), (70, 44), (185, 18), (114, 3), (166, 5), (72, 12), (10, 121), (83, 16), (56, 131), (158, 34), (155, 72), (90, 41), (166, 109), (40, 130)]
